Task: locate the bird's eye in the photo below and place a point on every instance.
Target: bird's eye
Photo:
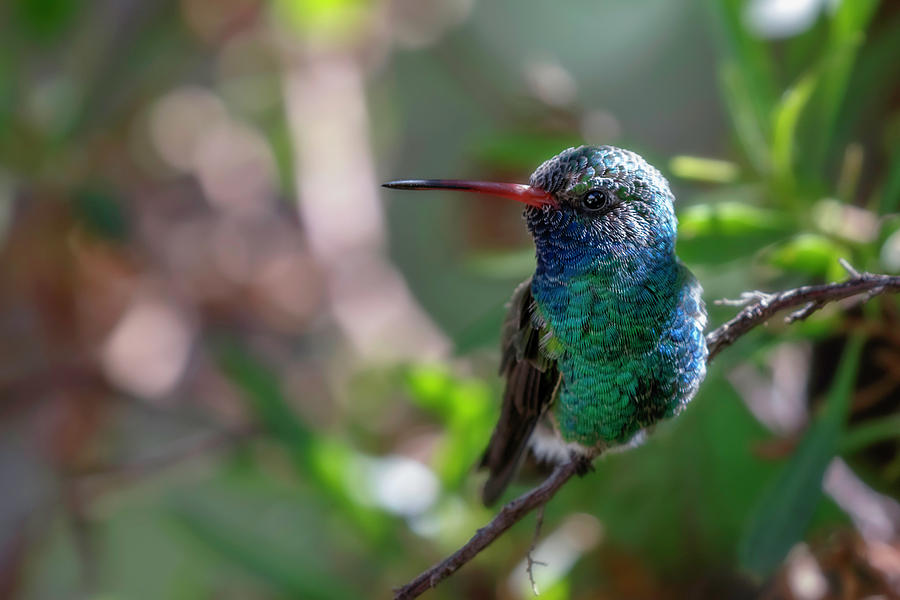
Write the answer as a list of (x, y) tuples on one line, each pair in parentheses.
[(597, 200)]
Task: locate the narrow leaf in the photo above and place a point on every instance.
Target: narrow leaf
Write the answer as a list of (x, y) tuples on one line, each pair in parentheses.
[(275, 562), (786, 507), (748, 79), (847, 31), (784, 125), (323, 460), (704, 169)]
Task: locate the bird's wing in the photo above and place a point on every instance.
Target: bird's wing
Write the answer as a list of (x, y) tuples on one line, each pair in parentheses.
[(531, 377)]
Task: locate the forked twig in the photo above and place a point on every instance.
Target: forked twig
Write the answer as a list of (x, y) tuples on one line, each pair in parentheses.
[(529, 559)]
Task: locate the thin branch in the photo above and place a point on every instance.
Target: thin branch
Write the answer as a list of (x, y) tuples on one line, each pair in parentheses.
[(758, 308), (810, 297), (851, 270), (528, 557), (508, 516)]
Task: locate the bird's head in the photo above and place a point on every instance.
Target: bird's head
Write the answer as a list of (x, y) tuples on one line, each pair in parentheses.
[(599, 197), (605, 195)]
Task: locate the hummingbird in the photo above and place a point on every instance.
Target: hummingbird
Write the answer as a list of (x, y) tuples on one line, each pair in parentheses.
[(605, 339)]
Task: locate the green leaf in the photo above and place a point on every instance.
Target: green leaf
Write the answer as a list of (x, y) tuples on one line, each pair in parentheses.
[(725, 231), (847, 31), (287, 563), (784, 126), (45, 20), (890, 192), (751, 132), (8, 91), (786, 508), (704, 169), (332, 20), (467, 408), (263, 392), (873, 431), (326, 461), (811, 254), (748, 79), (517, 264)]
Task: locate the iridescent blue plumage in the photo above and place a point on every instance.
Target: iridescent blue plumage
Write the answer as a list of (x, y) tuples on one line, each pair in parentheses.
[(606, 338), (620, 314)]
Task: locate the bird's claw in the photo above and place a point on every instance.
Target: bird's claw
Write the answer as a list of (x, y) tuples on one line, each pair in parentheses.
[(584, 464)]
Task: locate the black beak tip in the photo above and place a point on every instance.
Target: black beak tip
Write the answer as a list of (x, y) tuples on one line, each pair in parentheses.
[(399, 185)]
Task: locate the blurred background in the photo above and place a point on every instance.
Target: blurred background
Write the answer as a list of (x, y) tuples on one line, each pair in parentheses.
[(232, 366)]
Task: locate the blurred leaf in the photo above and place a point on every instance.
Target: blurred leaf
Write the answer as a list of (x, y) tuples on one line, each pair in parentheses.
[(704, 169), (293, 564), (784, 126), (328, 462), (7, 95), (339, 470), (558, 590), (811, 254), (726, 231), (263, 391), (748, 80), (846, 34), (786, 508), (430, 387), (467, 408), (872, 431), (750, 132), (44, 20), (890, 192), (869, 103), (517, 264), (325, 20), (102, 212)]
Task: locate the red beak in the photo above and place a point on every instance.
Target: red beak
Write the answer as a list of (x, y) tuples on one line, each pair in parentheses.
[(516, 191)]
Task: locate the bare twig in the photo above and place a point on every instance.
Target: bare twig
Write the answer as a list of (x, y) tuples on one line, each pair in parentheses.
[(508, 516), (529, 559), (851, 270), (810, 297), (803, 313), (745, 299), (758, 308)]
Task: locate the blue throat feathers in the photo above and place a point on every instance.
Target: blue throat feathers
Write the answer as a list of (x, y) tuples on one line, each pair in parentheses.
[(623, 316)]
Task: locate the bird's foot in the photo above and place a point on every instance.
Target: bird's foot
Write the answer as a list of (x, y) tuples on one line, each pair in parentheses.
[(584, 463)]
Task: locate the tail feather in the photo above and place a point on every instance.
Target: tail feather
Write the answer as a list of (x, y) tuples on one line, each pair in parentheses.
[(531, 378), (509, 442)]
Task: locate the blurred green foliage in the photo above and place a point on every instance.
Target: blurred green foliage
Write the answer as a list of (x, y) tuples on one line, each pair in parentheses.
[(783, 513)]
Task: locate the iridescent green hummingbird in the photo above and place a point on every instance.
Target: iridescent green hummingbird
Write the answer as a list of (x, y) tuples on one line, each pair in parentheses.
[(606, 338)]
